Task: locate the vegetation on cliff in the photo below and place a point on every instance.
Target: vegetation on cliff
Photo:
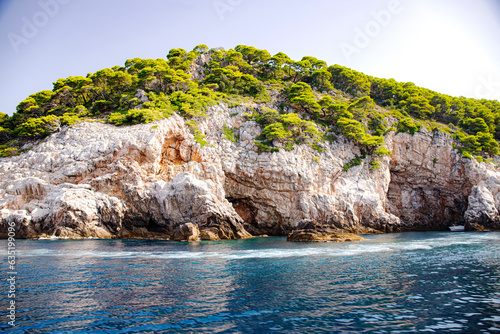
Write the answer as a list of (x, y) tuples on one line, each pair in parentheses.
[(313, 102)]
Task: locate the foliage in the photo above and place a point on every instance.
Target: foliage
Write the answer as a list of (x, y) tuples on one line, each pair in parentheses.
[(382, 151), (277, 131), (355, 131), (301, 97), (8, 151), (467, 155), (361, 107), (199, 137), (408, 126), (356, 161), (230, 133), (135, 116), (39, 127), (69, 118), (286, 129), (265, 146), (335, 98), (375, 165)]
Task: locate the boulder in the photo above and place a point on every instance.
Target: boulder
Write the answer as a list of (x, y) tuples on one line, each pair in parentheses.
[(187, 232), (209, 234)]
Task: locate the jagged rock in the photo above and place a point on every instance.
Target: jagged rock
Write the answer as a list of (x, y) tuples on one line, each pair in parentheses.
[(481, 212), (209, 234), (141, 96), (187, 232), (145, 181), (308, 224)]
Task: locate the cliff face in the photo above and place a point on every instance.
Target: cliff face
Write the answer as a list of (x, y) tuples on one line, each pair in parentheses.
[(153, 180)]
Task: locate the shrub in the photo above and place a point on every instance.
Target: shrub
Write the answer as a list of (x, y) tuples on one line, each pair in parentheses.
[(276, 131), (467, 155), (389, 130), (351, 129), (7, 151), (266, 117), (265, 147), (408, 126), (318, 148), (39, 127), (69, 118), (135, 116), (353, 162), (230, 133), (199, 137), (382, 151), (117, 118), (145, 115), (102, 106), (375, 165)]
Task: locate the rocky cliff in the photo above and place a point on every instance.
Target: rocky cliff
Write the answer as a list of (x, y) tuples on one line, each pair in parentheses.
[(155, 181)]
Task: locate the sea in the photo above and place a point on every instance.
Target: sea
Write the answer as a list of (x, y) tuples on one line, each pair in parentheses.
[(425, 282)]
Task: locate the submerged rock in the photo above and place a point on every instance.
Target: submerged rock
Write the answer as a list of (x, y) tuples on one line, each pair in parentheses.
[(322, 236)]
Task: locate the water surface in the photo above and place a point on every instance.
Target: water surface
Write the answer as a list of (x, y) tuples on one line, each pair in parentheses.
[(391, 283)]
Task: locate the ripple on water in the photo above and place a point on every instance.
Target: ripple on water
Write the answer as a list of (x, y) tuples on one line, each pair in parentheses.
[(398, 283)]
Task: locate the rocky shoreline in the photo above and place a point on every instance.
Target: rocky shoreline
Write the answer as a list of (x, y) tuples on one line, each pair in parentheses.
[(155, 181)]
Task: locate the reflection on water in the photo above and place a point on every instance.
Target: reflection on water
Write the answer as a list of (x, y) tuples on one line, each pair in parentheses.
[(407, 282)]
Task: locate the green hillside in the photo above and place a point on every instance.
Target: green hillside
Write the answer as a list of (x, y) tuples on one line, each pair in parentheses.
[(316, 102)]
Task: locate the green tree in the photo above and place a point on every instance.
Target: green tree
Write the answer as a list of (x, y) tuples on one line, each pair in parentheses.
[(176, 58), (475, 125), (349, 81), (320, 79), (487, 143), (361, 107), (280, 66), (276, 131), (351, 129), (302, 97)]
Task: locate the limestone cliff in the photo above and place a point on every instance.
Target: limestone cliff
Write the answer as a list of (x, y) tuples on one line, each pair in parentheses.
[(154, 181)]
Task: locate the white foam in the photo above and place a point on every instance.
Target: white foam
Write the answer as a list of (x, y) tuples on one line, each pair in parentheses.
[(446, 326), (53, 237), (445, 292)]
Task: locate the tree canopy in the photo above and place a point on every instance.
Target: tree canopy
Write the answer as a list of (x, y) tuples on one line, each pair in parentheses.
[(311, 100)]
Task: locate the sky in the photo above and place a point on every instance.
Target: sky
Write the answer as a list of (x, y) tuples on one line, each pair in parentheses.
[(449, 46)]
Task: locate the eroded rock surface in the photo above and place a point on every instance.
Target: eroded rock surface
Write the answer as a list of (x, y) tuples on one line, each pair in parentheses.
[(310, 231), (322, 236), (153, 180)]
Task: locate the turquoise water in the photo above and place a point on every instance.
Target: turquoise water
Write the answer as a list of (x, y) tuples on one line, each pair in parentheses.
[(392, 283)]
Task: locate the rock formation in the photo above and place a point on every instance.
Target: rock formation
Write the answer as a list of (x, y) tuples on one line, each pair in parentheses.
[(310, 231), (155, 181)]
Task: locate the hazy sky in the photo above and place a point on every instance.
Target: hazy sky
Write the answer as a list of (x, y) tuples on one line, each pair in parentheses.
[(450, 46)]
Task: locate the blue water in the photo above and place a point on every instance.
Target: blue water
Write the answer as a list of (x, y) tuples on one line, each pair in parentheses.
[(390, 283)]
